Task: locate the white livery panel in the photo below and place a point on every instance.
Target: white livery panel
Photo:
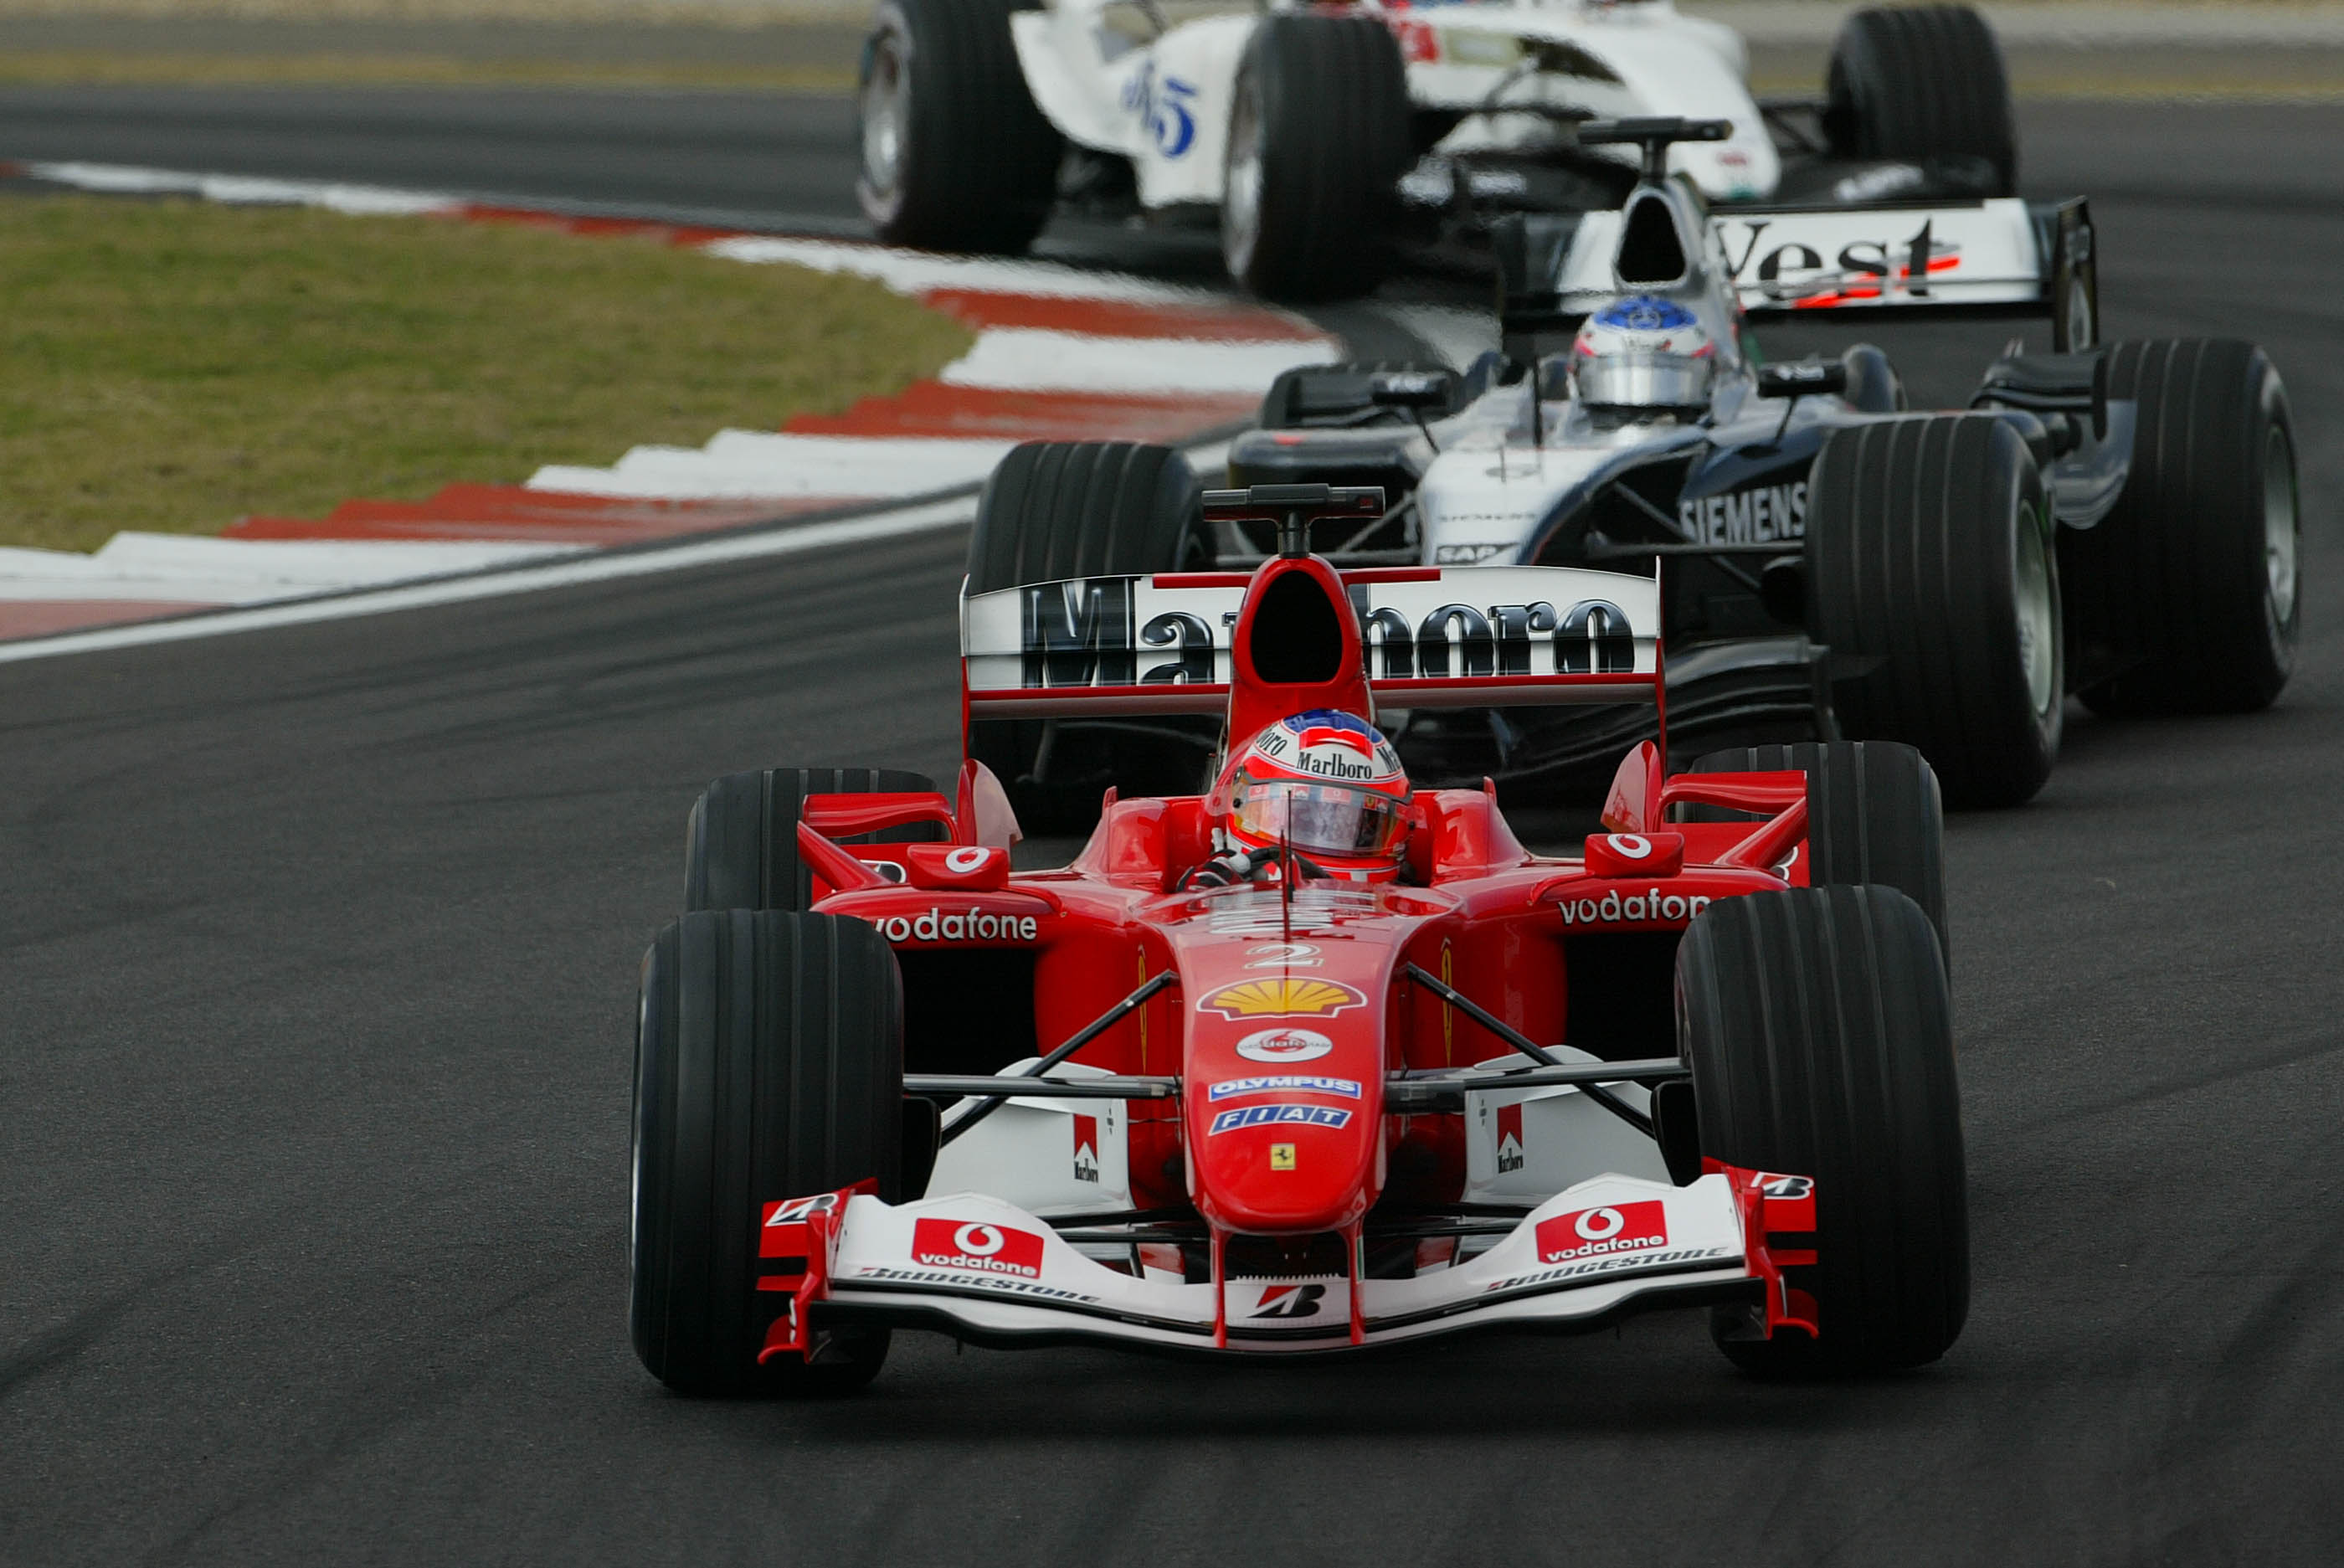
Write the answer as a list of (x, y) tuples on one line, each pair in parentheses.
[(983, 1266)]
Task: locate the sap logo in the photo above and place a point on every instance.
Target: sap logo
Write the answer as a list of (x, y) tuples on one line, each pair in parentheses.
[(1759, 515)]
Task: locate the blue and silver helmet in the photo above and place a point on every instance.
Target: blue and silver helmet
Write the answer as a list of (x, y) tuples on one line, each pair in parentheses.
[(1641, 354)]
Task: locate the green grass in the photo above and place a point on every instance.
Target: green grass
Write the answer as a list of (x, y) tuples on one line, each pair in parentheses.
[(175, 365)]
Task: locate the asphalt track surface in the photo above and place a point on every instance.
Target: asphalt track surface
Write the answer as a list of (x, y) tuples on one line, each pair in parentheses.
[(319, 956)]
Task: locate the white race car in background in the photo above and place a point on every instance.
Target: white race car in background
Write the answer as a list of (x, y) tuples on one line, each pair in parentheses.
[(1315, 137)]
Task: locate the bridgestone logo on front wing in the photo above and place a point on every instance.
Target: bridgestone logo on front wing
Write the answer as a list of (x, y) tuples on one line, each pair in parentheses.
[(991, 1282), (1621, 1263)]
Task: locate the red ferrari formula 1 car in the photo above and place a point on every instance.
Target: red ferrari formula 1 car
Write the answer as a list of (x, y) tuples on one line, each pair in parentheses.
[(1308, 1063)]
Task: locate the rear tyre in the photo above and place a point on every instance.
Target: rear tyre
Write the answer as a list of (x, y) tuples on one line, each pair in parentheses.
[(1056, 509), (1820, 1035), (740, 842), (1923, 82), (769, 1064), (955, 156), (1318, 138), (1931, 577), (2191, 580), (1874, 816)]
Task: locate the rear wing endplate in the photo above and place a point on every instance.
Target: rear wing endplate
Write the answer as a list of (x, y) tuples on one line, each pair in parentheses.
[(1454, 637)]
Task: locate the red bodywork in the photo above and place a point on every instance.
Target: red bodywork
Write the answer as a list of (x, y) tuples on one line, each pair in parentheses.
[(1309, 980)]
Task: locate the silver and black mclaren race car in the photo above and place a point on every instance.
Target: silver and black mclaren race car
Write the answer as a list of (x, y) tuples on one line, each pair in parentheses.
[(2117, 522)]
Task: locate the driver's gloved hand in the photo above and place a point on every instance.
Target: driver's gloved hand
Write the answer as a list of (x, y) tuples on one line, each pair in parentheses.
[(1224, 870)]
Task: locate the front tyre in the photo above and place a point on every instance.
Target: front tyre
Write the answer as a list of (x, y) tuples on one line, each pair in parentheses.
[(955, 156), (1932, 579), (1318, 138), (769, 1064), (1818, 1028)]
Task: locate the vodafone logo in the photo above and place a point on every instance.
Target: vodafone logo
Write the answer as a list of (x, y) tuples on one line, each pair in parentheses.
[(976, 1246), (1284, 1046), (1616, 1228), (964, 861), (1630, 845)]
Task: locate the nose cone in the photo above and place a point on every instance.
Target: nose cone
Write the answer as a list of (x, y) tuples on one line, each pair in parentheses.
[(1284, 1101)]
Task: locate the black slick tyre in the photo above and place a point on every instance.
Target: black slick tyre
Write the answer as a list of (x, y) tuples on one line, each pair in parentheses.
[(1318, 138), (1923, 83), (769, 1064), (1932, 580), (1057, 510), (1874, 816), (955, 156), (741, 842), (1817, 1025), (2188, 592)]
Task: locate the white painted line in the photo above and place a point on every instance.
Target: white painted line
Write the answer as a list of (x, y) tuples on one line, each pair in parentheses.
[(1209, 460), (1022, 359), (579, 569), (744, 464), (360, 200), (192, 568), (916, 272)]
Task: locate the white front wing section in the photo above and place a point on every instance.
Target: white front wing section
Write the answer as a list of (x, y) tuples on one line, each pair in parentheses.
[(976, 1266)]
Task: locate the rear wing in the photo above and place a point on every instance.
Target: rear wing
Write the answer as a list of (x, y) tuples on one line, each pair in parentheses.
[(1452, 637), (2000, 257)]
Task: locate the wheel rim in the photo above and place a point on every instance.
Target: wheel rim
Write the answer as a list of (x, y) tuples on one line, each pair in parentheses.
[(1242, 191), (886, 113), (2038, 617), (2282, 525)]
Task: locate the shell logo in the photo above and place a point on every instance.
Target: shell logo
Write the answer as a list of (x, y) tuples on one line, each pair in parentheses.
[(1290, 997)]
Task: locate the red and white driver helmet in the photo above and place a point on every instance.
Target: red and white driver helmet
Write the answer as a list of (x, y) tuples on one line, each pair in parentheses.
[(1326, 785)]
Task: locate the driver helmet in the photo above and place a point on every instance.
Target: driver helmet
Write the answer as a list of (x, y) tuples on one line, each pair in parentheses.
[(1642, 355), (1325, 784)]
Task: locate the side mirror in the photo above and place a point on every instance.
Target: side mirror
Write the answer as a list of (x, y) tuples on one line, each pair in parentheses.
[(1803, 379), (1420, 391)]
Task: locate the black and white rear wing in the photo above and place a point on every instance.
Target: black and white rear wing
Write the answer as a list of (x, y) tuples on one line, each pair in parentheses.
[(2000, 257), (1467, 636)]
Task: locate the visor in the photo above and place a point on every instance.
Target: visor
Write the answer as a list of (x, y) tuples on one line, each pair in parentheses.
[(1644, 381), (1319, 818)]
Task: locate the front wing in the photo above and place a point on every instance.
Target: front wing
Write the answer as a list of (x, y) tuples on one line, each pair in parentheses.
[(988, 1272)]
